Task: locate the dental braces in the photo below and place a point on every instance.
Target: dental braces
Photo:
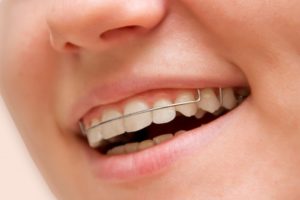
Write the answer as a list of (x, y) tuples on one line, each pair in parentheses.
[(198, 99)]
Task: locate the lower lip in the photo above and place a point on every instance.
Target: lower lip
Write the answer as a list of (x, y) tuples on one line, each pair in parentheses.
[(157, 159)]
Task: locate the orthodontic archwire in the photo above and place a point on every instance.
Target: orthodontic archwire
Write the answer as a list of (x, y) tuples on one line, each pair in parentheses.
[(197, 100)]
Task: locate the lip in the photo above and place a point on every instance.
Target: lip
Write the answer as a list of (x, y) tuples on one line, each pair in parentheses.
[(157, 159), (103, 94)]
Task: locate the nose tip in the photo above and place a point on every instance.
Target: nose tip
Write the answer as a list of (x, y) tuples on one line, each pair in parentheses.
[(95, 25)]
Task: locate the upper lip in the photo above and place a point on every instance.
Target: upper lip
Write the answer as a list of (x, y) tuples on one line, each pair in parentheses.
[(105, 93)]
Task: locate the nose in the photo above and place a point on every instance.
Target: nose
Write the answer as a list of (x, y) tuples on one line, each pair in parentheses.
[(100, 24)]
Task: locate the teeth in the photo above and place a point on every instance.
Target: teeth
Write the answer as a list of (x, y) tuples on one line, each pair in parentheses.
[(138, 146), (117, 150), (132, 147), (162, 138), (136, 122), (229, 100), (189, 109), (113, 128), (164, 115), (108, 131), (179, 132), (146, 144), (95, 122), (200, 113), (94, 137), (209, 101)]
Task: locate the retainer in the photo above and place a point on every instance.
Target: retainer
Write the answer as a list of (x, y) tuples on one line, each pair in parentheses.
[(197, 100)]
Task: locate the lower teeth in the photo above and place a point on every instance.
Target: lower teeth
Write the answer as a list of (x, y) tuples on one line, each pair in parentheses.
[(139, 146), (153, 135)]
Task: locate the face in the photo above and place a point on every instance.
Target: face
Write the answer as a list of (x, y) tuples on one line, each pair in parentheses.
[(65, 62)]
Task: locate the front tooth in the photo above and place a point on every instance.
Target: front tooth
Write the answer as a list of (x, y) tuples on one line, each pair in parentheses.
[(146, 144), (163, 115), (113, 128), (162, 138), (187, 110), (94, 137), (209, 101), (229, 100), (136, 122)]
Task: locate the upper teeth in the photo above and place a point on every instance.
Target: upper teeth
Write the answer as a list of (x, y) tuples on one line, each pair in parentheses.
[(209, 102)]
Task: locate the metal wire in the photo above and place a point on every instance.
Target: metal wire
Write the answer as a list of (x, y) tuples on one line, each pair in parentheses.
[(198, 99)]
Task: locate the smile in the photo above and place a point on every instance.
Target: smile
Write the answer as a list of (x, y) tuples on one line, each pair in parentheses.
[(141, 122)]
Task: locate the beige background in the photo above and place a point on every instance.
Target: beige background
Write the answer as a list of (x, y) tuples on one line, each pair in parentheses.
[(19, 178)]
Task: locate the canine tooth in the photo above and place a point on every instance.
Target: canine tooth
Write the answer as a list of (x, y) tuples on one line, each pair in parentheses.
[(113, 128), (117, 150), (95, 122), (179, 132), (146, 144), (209, 101), (229, 100), (131, 147), (162, 138), (200, 113), (94, 137), (164, 115), (136, 122), (187, 110)]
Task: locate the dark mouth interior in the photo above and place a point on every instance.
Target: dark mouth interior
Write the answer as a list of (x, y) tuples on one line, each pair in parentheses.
[(179, 123)]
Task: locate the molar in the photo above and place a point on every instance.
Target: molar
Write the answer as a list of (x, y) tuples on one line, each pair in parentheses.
[(229, 100), (164, 115), (136, 122)]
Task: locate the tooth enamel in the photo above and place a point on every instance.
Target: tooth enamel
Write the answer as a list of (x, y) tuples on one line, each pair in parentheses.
[(219, 112), (95, 122), (164, 115), (229, 100), (136, 122), (209, 101), (162, 138), (179, 132), (131, 147), (189, 109), (146, 144), (200, 113), (94, 137), (113, 128), (116, 150)]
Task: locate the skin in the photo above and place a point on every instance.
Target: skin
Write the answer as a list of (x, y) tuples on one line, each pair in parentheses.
[(257, 156)]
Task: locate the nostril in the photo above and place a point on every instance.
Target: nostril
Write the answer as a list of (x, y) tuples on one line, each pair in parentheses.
[(122, 32)]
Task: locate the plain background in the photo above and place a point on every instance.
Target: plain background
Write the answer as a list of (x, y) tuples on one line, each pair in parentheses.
[(19, 177)]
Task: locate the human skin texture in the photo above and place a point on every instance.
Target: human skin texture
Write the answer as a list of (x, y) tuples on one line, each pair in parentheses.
[(52, 52)]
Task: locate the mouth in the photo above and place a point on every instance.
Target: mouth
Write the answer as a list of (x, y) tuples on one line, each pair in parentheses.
[(153, 118)]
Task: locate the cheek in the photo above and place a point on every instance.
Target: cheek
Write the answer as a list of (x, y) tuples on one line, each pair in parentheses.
[(27, 70)]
